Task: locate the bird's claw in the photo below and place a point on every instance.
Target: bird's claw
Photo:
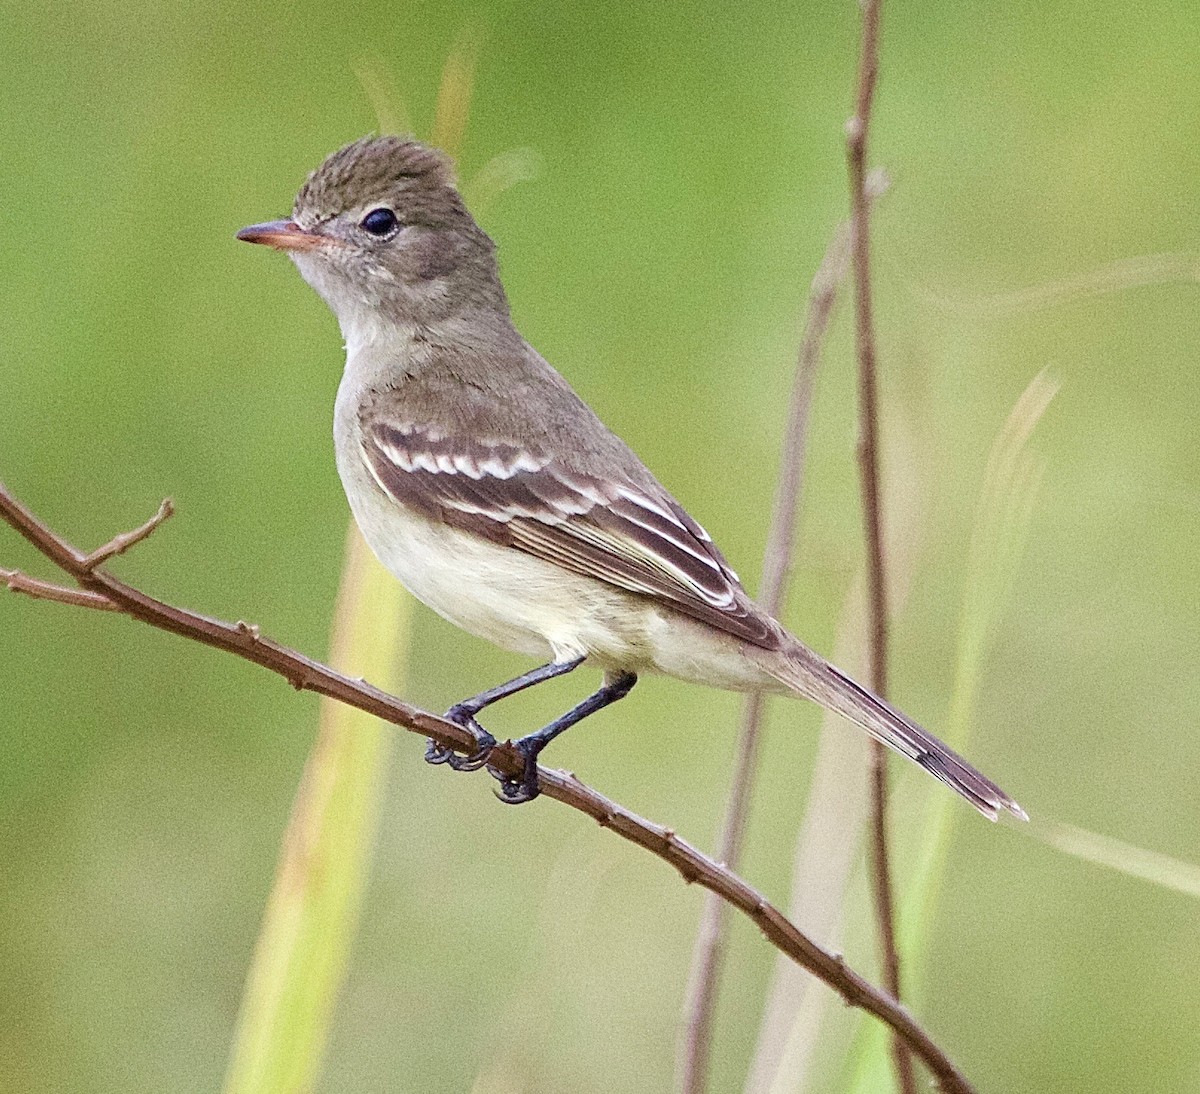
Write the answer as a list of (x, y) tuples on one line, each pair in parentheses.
[(436, 753), (516, 790)]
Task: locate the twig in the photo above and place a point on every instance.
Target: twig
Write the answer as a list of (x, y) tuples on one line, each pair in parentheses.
[(868, 454), (119, 544), (309, 675), (61, 594), (708, 955)]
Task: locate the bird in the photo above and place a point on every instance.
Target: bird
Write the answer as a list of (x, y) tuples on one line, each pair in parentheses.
[(498, 497)]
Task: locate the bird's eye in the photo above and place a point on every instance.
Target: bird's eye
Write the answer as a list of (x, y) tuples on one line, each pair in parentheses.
[(380, 222)]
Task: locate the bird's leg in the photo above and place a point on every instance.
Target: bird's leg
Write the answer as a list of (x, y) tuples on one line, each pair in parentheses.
[(525, 788), (463, 714)]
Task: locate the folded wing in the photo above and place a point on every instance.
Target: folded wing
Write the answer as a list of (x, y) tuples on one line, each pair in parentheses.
[(614, 531)]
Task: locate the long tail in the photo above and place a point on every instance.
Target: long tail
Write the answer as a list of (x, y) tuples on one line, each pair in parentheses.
[(815, 678)]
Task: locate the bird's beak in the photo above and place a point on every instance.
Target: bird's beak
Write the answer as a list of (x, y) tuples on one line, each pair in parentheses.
[(283, 235)]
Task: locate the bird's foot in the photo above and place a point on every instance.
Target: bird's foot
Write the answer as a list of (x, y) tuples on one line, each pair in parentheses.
[(461, 715), (518, 789)]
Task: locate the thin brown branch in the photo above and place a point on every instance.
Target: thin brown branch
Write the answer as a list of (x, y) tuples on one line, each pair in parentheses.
[(857, 131), (245, 641), (35, 587), (708, 955), (119, 544)]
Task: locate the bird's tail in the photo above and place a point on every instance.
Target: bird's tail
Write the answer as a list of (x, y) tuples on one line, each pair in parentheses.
[(812, 676)]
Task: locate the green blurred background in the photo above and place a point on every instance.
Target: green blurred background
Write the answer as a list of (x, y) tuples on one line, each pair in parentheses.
[(691, 172)]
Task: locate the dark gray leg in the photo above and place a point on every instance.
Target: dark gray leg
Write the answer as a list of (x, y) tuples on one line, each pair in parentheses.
[(463, 714), (525, 788)]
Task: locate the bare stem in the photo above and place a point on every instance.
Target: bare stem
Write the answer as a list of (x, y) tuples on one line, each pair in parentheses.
[(35, 587), (708, 956), (119, 544), (857, 129), (303, 673)]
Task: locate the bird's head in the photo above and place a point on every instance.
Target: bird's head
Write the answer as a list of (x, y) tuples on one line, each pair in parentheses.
[(381, 226)]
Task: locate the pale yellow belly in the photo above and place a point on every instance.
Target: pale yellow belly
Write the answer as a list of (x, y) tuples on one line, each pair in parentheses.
[(531, 606)]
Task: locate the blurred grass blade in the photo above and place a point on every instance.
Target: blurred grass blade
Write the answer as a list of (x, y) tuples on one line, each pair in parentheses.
[(382, 92), (1001, 523), (791, 1037), (1125, 858), (454, 94), (1002, 519), (500, 173), (312, 912), (1136, 272), (826, 849)]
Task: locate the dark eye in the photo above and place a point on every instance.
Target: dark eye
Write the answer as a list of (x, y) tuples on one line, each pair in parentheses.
[(380, 222)]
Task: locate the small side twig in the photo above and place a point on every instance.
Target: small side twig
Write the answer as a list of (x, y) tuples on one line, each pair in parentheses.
[(857, 129), (35, 587), (307, 674), (707, 958), (119, 544)]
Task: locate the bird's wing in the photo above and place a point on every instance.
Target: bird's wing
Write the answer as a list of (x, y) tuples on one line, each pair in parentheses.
[(614, 531)]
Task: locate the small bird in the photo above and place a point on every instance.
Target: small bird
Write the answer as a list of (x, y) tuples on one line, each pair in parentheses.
[(498, 497)]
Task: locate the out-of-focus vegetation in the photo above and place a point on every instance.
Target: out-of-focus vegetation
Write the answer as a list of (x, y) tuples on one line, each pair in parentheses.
[(691, 170), (311, 918)]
